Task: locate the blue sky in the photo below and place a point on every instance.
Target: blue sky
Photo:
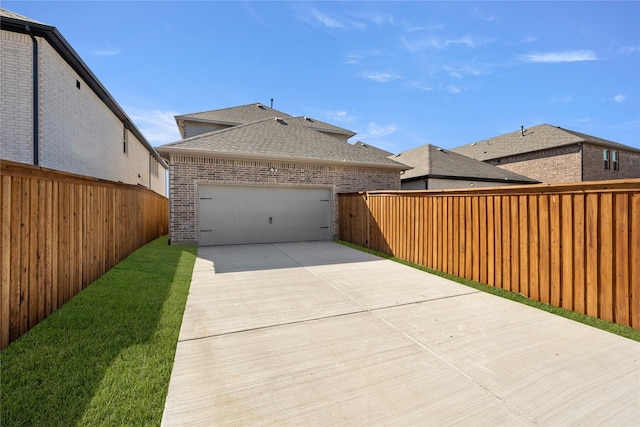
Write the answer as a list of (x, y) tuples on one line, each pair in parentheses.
[(400, 74)]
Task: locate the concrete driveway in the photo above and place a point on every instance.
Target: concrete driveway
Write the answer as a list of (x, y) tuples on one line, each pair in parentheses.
[(317, 334)]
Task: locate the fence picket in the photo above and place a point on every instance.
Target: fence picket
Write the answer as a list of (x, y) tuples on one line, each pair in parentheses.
[(54, 238), (576, 246)]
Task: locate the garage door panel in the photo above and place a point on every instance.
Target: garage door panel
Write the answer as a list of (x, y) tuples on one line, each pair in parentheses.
[(240, 215)]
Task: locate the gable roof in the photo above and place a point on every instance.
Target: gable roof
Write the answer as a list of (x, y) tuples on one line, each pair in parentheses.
[(540, 137), (281, 139), (380, 151), (321, 126), (234, 116), (10, 21), (435, 162), (244, 114)]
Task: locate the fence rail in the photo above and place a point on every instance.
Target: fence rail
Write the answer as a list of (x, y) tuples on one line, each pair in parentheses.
[(573, 246), (59, 233)]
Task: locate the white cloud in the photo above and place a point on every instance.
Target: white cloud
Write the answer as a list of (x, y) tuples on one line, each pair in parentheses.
[(619, 98), (159, 127), (108, 51), (353, 58), (459, 72), (381, 77), (454, 89), (554, 57), (377, 130), (326, 20), (628, 49), (338, 116), (421, 85), (439, 43)]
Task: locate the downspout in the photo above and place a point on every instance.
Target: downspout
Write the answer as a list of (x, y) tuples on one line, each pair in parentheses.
[(35, 96)]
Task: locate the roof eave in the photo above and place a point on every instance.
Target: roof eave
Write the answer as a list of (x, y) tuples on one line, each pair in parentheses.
[(266, 157), (471, 178)]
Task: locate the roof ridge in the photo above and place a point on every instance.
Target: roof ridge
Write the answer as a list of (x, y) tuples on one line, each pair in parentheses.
[(258, 104), (218, 131)]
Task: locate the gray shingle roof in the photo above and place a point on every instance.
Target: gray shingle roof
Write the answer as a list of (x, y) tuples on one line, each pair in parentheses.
[(537, 138), (244, 114), (278, 139), (236, 115), (380, 151), (318, 125), (431, 161)]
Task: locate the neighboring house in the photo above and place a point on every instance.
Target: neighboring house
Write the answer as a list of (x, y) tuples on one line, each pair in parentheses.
[(552, 154), (261, 176), (56, 114), (437, 168)]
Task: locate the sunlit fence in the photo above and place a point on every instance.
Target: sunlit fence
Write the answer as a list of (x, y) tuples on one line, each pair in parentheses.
[(573, 246), (59, 233)]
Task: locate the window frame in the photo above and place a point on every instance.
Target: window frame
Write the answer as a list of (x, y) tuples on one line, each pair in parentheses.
[(605, 158)]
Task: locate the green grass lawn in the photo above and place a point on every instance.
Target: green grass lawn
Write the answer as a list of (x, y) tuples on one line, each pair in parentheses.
[(105, 357), (614, 328)]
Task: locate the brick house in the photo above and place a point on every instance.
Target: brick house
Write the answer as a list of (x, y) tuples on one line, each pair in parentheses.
[(55, 113), (252, 174), (552, 154), (435, 168)]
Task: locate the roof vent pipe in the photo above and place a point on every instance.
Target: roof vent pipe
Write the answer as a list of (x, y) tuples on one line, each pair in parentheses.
[(271, 102), (521, 130)]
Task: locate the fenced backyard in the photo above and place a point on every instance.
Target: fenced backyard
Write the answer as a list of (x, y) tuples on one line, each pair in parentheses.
[(59, 233), (573, 246)]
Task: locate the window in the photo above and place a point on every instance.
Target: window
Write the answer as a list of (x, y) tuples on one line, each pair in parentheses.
[(605, 156), (125, 140), (614, 160)]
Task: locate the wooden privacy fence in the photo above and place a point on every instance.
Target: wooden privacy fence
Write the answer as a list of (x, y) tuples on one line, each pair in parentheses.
[(59, 233), (573, 246)]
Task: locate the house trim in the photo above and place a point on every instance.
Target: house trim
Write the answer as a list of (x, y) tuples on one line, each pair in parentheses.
[(267, 158)]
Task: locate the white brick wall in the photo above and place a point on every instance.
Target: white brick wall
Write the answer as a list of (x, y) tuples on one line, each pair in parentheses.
[(16, 105), (78, 133)]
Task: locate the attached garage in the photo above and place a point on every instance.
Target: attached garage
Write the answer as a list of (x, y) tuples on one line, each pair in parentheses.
[(229, 215), (265, 177)]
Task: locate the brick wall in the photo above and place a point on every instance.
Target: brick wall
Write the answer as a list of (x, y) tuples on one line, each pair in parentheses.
[(593, 164), (187, 172), (78, 133), (562, 164), (16, 97)]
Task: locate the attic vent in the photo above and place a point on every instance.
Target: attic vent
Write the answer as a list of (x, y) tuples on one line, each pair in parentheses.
[(439, 149), (474, 143), (308, 118), (279, 120), (260, 106)]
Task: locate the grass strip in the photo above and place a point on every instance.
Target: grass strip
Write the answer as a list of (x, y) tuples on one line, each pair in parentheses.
[(614, 328), (105, 357)]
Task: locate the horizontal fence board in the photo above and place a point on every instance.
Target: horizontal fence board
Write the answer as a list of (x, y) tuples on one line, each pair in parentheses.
[(59, 233), (575, 246)]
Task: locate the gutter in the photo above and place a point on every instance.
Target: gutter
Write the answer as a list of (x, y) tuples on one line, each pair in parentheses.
[(35, 97), (275, 158), (64, 49)]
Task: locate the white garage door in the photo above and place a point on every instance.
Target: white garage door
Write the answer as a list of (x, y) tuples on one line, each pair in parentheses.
[(229, 215)]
